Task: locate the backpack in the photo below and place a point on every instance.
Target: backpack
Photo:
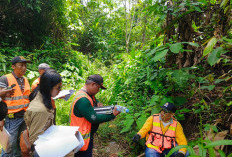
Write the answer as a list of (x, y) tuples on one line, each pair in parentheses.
[(25, 144)]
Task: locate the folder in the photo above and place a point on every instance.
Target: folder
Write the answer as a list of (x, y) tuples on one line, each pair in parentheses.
[(4, 138)]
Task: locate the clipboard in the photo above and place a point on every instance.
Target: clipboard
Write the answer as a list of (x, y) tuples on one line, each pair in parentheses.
[(4, 138)]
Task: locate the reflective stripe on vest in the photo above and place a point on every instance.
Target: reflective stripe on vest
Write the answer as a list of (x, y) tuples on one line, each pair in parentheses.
[(159, 140), (18, 106), (84, 124), (17, 97), (152, 146), (18, 101), (86, 136)]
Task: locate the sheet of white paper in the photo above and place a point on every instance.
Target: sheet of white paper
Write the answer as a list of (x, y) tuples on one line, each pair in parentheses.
[(57, 147), (55, 131), (62, 94), (58, 141)]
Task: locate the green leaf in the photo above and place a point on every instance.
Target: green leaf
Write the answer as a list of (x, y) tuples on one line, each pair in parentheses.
[(128, 123), (230, 155), (211, 152), (155, 110), (229, 104), (218, 81), (202, 151), (159, 55), (180, 116), (222, 154), (214, 128), (137, 114), (140, 121), (197, 9), (223, 4), (191, 43), (226, 9), (160, 48), (207, 127), (185, 110), (210, 46), (174, 149), (175, 48), (215, 55), (180, 101), (219, 143), (198, 111), (154, 99), (210, 87)]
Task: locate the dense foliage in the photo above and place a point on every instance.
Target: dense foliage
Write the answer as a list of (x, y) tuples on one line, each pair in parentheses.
[(149, 52)]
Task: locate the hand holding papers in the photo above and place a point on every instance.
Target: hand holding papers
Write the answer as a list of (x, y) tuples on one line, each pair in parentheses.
[(64, 93), (58, 141), (4, 138)]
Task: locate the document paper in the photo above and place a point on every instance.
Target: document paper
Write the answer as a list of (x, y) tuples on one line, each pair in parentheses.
[(58, 141), (65, 94), (4, 138)]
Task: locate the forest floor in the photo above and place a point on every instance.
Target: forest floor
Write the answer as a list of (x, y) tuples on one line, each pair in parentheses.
[(109, 148)]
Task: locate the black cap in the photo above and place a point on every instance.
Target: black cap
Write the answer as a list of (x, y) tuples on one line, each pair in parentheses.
[(97, 79), (19, 59), (169, 107)]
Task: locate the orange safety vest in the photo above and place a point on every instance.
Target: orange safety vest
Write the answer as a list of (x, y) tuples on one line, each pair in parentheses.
[(157, 139), (18, 101), (84, 124), (35, 83)]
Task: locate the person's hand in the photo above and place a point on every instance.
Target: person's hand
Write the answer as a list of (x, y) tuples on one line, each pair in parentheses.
[(99, 104), (6, 92), (136, 138), (115, 111), (1, 124), (180, 155)]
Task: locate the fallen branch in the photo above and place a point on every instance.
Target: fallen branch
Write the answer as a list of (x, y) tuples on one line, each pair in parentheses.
[(143, 154)]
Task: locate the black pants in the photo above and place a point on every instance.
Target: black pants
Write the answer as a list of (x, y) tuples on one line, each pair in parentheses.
[(88, 152)]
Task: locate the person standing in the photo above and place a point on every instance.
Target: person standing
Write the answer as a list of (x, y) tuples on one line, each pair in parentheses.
[(40, 113), (82, 113), (16, 104), (163, 133), (41, 68)]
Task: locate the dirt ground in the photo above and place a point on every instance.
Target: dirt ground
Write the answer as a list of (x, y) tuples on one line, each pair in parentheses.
[(108, 149)]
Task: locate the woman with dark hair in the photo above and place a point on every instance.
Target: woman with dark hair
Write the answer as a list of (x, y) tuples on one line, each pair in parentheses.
[(40, 113)]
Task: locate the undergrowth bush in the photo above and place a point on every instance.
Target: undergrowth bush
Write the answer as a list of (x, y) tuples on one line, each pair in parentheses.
[(136, 81)]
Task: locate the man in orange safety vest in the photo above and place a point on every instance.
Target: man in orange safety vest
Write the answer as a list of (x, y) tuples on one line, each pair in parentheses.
[(82, 113), (17, 103)]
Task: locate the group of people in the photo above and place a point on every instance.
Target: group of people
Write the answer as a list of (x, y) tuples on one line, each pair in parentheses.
[(33, 109)]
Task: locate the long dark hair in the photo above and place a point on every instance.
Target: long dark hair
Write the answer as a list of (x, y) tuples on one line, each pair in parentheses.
[(48, 80), (3, 110)]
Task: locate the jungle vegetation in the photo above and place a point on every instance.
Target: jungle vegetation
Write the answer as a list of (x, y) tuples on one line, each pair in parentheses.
[(148, 51)]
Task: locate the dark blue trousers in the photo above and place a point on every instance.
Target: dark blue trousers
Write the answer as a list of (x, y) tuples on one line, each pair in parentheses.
[(88, 152)]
